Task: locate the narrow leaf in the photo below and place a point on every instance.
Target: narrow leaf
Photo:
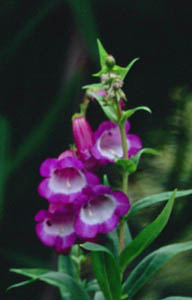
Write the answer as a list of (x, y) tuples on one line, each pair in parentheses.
[(156, 198), (150, 265), (108, 109), (21, 284), (106, 270), (98, 86), (65, 264), (122, 71), (128, 113), (177, 298), (57, 279), (146, 237), (136, 158)]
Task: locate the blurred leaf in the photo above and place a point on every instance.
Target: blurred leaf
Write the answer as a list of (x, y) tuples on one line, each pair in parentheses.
[(177, 298), (128, 113), (106, 270), (92, 286), (150, 265), (106, 180), (86, 23), (4, 159), (58, 279), (21, 284), (156, 198), (146, 236), (99, 296), (25, 32), (136, 158), (40, 132)]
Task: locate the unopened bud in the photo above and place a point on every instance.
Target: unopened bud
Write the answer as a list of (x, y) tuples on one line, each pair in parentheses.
[(110, 61)]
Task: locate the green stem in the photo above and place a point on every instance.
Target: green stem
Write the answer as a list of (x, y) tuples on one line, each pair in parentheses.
[(124, 177)]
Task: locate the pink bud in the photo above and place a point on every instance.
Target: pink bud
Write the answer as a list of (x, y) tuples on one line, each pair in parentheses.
[(83, 134), (67, 153)]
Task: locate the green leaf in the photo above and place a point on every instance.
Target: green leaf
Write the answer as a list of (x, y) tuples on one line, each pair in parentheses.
[(177, 298), (128, 113), (108, 109), (99, 296), (146, 236), (65, 264), (92, 286), (102, 53), (57, 279), (126, 165), (4, 159), (122, 71), (150, 265), (98, 86), (21, 284), (156, 198), (136, 158), (106, 270)]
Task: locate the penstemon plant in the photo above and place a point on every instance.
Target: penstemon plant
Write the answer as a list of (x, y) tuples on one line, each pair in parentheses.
[(84, 206)]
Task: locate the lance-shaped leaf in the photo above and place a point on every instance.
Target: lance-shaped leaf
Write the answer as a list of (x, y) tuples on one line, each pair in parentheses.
[(57, 279), (177, 298), (150, 265), (97, 86), (106, 270), (156, 198), (136, 158), (99, 296), (66, 265), (126, 114), (122, 71), (146, 236)]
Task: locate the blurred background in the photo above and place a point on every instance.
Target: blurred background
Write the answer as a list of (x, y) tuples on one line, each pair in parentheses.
[(47, 52)]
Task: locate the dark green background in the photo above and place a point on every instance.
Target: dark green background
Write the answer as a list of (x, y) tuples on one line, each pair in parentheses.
[(47, 52)]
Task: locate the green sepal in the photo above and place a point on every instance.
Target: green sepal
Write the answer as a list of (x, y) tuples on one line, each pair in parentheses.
[(108, 109), (102, 57), (106, 180), (146, 236), (126, 114), (126, 165)]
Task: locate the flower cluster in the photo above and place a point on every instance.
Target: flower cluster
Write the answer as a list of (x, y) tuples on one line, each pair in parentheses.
[(80, 207)]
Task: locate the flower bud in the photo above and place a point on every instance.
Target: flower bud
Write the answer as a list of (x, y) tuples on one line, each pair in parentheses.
[(110, 61), (83, 134)]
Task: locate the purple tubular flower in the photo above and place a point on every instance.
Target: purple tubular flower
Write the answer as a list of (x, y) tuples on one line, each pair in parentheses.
[(101, 212), (65, 179), (84, 140), (108, 144), (55, 230)]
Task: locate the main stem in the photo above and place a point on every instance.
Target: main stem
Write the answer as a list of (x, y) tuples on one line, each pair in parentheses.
[(124, 178)]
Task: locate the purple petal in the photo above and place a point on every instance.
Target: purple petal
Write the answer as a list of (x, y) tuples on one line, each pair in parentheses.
[(44, 190), (91, 178), (109, 224), (70, 162), (48, 166), (134, 144), (122, 201)]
